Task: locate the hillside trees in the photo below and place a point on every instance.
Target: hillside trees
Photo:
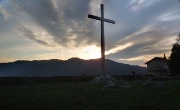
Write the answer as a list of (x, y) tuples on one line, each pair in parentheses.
[(174, 59)]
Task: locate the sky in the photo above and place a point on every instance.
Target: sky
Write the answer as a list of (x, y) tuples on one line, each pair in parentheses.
[(61, 29)]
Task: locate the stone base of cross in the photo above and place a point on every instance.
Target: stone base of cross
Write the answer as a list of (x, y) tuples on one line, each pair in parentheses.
[(107, 80)]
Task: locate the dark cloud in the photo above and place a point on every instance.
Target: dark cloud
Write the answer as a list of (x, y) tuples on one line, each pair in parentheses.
[(130, 21), (45, 15), (63, 21)]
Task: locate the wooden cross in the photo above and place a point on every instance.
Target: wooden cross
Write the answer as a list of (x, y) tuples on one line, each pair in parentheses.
[(102, 19)]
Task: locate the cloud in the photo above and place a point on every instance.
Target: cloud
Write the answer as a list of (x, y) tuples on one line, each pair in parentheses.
[(34, 36), (4, 13), (139, 4), (118, 48), (61, 19), (169, 16), (151, 40), (135, 58), (143, 28)]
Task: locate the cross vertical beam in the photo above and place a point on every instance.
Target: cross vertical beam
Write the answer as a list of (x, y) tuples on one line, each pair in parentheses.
[(102, 19), (102, 42)]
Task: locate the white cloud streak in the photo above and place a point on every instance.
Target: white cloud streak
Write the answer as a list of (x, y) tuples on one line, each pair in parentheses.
[(118, 48)]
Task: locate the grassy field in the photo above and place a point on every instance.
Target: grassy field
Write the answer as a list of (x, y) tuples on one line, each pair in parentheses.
[(86, 96)]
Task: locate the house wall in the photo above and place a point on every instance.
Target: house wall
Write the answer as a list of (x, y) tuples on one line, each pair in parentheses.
[(157, 62), (157, 73)]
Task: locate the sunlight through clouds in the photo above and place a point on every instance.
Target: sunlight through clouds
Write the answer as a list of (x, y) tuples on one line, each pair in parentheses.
[(90, 52), (118, 48)]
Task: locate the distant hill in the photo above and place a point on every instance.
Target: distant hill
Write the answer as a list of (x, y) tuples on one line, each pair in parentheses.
[(71, 67)]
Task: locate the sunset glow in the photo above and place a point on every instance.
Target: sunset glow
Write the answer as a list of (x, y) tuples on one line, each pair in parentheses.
[(90, 52)]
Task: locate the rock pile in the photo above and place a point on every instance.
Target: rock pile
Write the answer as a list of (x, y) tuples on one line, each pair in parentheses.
[(107, 80)]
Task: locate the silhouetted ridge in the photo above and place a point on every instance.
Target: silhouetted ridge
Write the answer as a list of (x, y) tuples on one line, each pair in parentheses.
[(70, 67)]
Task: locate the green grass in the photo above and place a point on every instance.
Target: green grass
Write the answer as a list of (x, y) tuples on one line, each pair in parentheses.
[(86, 96)]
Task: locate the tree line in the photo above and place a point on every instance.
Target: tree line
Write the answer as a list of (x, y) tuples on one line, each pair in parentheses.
[(174, 59)]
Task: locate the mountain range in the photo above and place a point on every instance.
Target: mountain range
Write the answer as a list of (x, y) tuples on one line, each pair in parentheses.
[(70, 67)]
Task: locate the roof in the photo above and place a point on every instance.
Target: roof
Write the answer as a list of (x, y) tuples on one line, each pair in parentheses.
[(156, 58)]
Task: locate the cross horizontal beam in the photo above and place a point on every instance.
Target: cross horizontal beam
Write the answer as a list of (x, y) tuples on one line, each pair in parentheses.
[(102, 19)]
